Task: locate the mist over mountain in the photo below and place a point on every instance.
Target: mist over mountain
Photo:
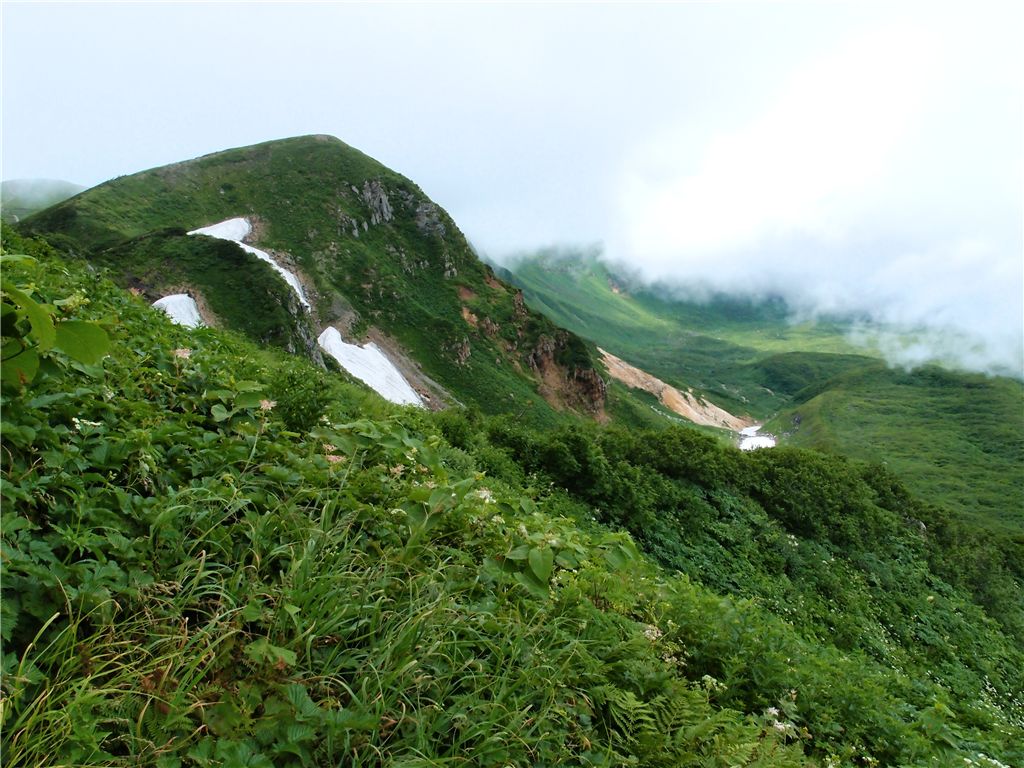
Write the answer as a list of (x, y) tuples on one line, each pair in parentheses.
[(958, 304), (22, 197)]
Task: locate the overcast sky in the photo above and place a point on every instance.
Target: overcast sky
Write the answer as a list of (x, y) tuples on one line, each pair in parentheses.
[(852, 156)]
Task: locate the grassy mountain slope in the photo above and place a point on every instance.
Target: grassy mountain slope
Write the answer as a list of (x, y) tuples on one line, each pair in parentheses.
[(23, 197), (709, 346), (374, 251), (217, 555), (957, 439)]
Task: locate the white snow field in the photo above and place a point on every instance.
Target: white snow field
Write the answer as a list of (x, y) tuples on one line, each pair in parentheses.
[(237, 230), (371, 366), (182, 308), (750, 440)]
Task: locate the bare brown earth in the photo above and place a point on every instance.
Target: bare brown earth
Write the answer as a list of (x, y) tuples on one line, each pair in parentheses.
[(683, 403)]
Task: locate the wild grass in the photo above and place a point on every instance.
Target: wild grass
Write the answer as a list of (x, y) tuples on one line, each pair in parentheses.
[(214, 555)]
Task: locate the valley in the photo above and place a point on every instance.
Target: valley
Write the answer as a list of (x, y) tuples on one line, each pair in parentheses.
[(947, 433)]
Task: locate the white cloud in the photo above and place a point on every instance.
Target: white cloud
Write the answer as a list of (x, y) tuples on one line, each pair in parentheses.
[(796, 168), (877, 179)]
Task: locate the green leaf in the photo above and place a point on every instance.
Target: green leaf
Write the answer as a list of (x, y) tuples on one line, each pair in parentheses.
[(38, 317), (18, 368), (249, 399), (541, 560), (19, 258), (219, 412), (85, 342), (262, 650), (519, 553), (529, 581), (567, 559)]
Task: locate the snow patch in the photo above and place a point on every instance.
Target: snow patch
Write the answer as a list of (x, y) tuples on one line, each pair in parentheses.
[(750, 440), (182, 309), (371, 366), (237, 230)]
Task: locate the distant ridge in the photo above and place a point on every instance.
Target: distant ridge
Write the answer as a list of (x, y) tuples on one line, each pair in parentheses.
[(23, 197)]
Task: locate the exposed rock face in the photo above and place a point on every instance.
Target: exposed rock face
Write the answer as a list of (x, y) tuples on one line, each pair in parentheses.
[(489, 327), (304, 331), (428, 219), (581, 388), (684, 403), (543, 354), (592, 388), (460, 350), (520, 305), (376, 199)]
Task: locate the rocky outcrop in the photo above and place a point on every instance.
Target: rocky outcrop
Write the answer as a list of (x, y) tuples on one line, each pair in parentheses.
[(580, 388), (592, 388), (519, 305), (685, 404), (376, 199), (428, 219)]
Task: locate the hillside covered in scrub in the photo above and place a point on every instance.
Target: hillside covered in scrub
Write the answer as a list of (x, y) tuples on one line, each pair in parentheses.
[(956, 438), (378, 259), (218, 554)]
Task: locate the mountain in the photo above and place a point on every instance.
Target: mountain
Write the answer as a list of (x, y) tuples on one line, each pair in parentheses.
[(956, 438), (377, 258), (216, 553), (709, 345), (20, 198)]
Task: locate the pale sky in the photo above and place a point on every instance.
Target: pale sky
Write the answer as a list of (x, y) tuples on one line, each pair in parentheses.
[(852, 156)]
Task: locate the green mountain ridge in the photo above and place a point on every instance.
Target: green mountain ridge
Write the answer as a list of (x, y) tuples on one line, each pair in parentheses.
[(218, 554), (956, 438), (376, 255), (215, 554)]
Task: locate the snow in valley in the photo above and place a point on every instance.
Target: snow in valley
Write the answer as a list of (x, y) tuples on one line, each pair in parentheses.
[(750, 440), (182, 309), (371, 366), (237, 230)]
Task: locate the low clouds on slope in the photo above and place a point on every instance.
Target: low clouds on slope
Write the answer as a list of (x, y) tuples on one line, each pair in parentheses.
[(883, 178)]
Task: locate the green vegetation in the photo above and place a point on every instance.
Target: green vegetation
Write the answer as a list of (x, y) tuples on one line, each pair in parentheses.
[(377, 252), (956, 439), (217, 555), (713, 346), (244, 293)]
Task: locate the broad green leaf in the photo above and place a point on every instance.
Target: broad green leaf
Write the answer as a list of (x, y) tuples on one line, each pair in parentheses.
[(263, 650), (20, 258), (249, 399), (519, 553), (85, 342), (219, 412), (541, 560), (441, 498), (18, 368), (529, 581), (618, 556), (42, 325), (567, 559)]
